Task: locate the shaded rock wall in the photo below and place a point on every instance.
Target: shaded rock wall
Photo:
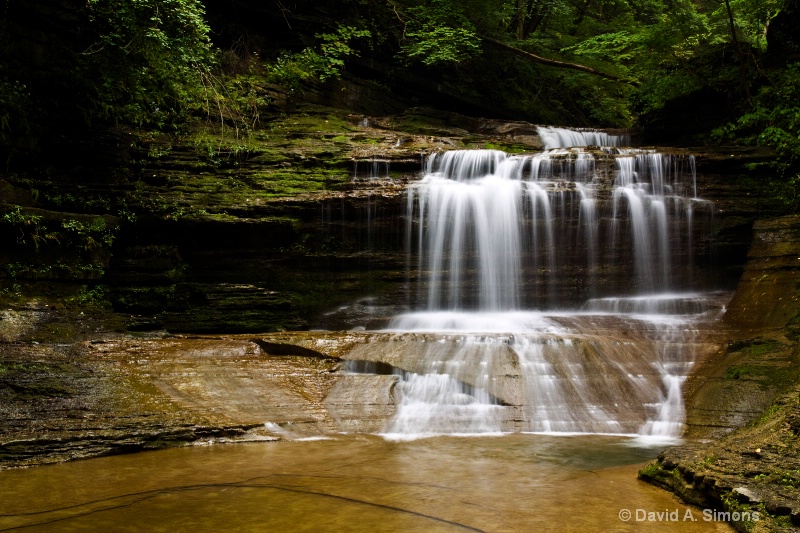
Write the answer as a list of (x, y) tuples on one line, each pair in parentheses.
[(759, 357), (744, 402), (768, 296)]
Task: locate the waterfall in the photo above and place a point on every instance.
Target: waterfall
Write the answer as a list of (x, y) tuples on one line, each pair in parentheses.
[(565, 138), (498, 232), (370, 169), (470, 203), (655, 187), (518, 324)]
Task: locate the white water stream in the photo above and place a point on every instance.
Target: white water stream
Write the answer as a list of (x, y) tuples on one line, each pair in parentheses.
[(508, 345)]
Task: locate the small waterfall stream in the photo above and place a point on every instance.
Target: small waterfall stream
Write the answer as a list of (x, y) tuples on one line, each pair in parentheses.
[(519, 328)]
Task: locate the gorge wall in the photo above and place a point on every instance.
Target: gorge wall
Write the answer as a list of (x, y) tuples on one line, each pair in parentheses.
[(284, 234), (743, 403), (215, 241)]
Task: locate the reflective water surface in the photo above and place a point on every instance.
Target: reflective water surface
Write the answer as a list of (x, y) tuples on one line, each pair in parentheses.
[(518, 482)]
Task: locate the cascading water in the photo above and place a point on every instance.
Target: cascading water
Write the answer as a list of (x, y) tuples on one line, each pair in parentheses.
[(370, 169), (521, 328), (565, 138), (496, 232)]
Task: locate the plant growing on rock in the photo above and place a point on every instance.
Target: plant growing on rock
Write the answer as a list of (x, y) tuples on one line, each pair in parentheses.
[(28, 227)]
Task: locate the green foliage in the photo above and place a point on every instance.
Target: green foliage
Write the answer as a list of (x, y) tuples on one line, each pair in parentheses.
[(651, 470), (439, 32), (671, 53), (336, 46), (790, 478), (668, 50), (28, 227), (149, 58), (321, 62), (242, 97), (89, 235), (736, 372), (602, 102), (90, 297), (59, 269), (32, 229), (622, 45), (151, 63), (11, 293), (774, 121), (16, 217), (441, 44), (751, 18)]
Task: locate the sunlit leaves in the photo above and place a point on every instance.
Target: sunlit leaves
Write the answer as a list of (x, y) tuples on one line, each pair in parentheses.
[(752, 18), (441, 44), (439, 32), (621, 45)]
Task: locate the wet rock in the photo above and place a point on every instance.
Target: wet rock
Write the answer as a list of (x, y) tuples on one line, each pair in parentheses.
[(725, 471), (745, 400), (746, 495), (219, 232), (779, 507), (121, 394), (362, 403), (766, 294), (667, 463)]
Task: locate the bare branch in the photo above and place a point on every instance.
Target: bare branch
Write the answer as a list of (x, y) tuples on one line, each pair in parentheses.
[(553, 62)]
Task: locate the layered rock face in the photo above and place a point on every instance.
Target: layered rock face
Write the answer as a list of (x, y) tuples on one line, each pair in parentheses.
[(220, 236), (767, 296), (257, 262), (759, 333), (288, 260), (745, 397)]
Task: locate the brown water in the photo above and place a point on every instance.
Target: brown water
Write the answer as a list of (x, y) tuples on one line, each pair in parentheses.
[(354, 483)]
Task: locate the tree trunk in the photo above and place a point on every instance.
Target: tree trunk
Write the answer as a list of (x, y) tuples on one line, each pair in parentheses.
[(536, 19), (739, 54), (520, 19), (582, 12)]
